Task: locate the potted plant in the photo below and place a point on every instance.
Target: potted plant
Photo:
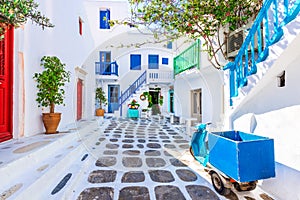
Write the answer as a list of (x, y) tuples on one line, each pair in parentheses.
[(50, 84), (100, 96), (133, 104)]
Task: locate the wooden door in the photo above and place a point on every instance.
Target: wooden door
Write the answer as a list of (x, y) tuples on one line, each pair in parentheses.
[(196, 97), (6, 81), (79, 99)]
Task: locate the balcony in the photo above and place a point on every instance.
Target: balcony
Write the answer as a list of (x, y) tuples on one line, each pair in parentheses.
[(159, 76), (189, 58), (106, 68)]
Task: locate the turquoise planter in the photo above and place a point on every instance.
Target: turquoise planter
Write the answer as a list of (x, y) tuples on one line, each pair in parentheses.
[(133, 113)]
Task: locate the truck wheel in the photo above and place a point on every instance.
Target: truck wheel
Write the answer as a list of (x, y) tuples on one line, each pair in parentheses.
[(218, 184), (252, 186), (192, 152), (245, 187), (237, 187)]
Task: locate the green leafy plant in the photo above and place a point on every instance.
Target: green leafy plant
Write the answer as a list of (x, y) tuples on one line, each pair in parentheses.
[(100, 97), (161, 100), (149, 98), (16, 13), (50, 82), (209, 19), (134, 104)]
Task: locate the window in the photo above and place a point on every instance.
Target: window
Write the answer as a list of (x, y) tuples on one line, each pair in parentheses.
[(104, 19), (281, 79), (80, 26), (105, 63), (169, 45), (135, 62), (152, 61), (165, 61)]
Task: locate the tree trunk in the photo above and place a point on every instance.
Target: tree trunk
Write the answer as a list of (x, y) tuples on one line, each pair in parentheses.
[(52, 108)]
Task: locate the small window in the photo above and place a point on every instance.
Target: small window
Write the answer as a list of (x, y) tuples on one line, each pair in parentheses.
[(281, 79), (80, 26), (135, 62), (165, 61), (169, 45), (104, 19), (152, 61)]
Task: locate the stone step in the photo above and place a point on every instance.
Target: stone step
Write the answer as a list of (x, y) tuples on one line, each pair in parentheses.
[(53, 182), (35, 161)]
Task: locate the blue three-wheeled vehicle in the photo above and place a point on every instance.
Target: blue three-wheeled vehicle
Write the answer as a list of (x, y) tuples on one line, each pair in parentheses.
[(233, 158)]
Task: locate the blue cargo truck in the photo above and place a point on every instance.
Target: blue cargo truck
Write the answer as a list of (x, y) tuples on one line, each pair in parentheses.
[(233, 158)]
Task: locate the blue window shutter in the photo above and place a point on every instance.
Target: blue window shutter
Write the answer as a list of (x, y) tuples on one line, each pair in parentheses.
[(135, 62), (104, 18), (153, 61), (165, 61), (169, 45)]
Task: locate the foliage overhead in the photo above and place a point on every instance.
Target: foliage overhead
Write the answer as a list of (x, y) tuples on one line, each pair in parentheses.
[(16, 13), (208, 19), (50, 82)]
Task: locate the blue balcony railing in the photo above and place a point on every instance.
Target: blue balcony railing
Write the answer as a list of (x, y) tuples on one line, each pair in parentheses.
[(107, 68), (265, 31)]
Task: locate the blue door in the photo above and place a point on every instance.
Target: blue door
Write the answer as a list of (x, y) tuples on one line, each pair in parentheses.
[(171, 101), (113, 98), (105, 62)]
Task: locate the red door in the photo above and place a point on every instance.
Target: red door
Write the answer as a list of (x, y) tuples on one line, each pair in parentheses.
[(79, 99), (6, 80)]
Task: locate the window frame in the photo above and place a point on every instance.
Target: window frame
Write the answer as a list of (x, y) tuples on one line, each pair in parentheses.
[(165, 61), (80, 23), (135, 64), (153, 65), (103, 23)]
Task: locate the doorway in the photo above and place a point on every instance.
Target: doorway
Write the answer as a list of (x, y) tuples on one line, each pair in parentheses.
[(171, 101), (196, 97), (113, 98), (6, 85), (79, 99), (155, 101)]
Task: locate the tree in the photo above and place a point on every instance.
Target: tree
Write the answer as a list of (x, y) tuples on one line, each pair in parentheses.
[(17, 12), (208, 19)]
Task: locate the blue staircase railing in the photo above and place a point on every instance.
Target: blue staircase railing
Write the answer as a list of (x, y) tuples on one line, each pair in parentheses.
[(106, 68), (132, 89), (266, 31)]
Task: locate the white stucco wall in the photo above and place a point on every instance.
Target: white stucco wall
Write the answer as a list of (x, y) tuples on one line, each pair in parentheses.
[(274, 112), (119, 10), (210, 83), (122, 56), (63, 41)]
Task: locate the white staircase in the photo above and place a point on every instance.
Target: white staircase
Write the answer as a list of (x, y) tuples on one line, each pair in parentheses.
[(42, 166), (280, 54)]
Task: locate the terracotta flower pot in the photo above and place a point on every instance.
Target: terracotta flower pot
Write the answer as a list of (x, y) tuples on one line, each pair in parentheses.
[(100, 112), (51, 122)]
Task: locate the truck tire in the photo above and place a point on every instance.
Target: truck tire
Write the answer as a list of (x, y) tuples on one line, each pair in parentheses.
[(218, 184)]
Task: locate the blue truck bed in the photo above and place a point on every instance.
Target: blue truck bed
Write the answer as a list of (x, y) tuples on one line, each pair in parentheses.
[(242, 156)]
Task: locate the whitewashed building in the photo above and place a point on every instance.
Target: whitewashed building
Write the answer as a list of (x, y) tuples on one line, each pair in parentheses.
[(261, 98), (81, 38), (256, 93)]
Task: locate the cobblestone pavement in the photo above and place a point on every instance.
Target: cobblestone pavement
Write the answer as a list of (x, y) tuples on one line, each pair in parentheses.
[(140, 160), (110, 159)]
